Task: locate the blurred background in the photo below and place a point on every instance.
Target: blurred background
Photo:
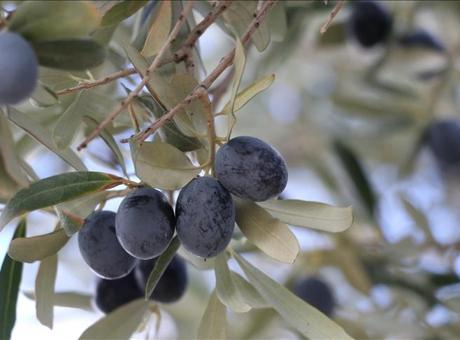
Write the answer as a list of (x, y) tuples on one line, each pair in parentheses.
[(354, 123)]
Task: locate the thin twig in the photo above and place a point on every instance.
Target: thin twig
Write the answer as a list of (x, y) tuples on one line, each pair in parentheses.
[(156, 62), (207, 82), (105, 80), (338, 6)]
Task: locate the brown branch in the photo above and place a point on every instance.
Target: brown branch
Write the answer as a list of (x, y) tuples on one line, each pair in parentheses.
[(105, 80), (332, 15), (207, 82), (155, 64)]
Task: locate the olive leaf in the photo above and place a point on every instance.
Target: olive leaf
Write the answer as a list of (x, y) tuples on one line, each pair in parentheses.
[(266, 232), (306, 319), (159, 29), (43, 136), (121, 11), (120, 324), (163, 166), (10, 279), (44, 290), (160, 266), (43, 246), (54, 190), (213, 324), (310, 214), (68, 299)]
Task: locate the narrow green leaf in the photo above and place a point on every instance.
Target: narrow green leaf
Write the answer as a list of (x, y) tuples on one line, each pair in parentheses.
[(43, 136), (297, 313), (310, 214), (7, 152), (121, 11), (277, 21), (54, 190), (43, 96), (44, 290), (160, 266), (43, 246), (213, 324), (75, 55), (249, 293), (266, 232), (10, 279), (357, 174), (163, 166), (226, 289), (109, 141), (248, 93), (68, 299), (120, 324), (159, 29), (52, 20)]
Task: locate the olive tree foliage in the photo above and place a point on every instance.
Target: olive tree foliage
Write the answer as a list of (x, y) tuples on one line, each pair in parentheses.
[(134, 69)]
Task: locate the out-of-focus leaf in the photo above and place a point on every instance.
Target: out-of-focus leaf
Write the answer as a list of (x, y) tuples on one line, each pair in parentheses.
[(43, 136), (55, 20), (226, 289), (163, 166), (213, 324), (70, 54), (169, 132), (121, 11), (120, 324), (297, 313), (8, 186), (44, 290), (248, 93), (336, 35), (10, 279), (277, 22), (160, 266), (68, 299), (7, 152), (266, 232), (159, 29), (43, 96), (419, 218), (43, 246), (239, 16), (358, 176), (310, 214), (109, 140), (54, 190)]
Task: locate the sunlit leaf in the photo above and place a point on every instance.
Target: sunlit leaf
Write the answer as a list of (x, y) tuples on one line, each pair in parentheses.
[(10, 279), (69, 299), (213, 324), (43, 246), (121, 11), (226, 289), (266, 232), (120, 324), (160, 266), (295, 312), (163, 166), (54, 190), (52, 20), (310, 214), (43, 136), (44, 290), (249, 293), (159, 29)]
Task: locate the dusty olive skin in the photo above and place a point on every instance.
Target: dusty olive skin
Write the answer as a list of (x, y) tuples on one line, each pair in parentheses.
[(317, 293), (100, 248), (205, 217), (370, 23), (145, 223), (111, 294), (251, 169), (172, 284), (443, 139), (18, 68)]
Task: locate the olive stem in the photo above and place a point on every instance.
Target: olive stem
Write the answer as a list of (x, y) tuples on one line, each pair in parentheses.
[(338, 6)]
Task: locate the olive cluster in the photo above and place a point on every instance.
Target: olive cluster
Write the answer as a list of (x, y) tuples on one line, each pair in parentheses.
[(115, 244)]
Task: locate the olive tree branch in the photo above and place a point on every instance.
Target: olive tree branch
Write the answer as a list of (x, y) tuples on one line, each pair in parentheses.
[(338, 6), (224, 63), (145, 79)]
